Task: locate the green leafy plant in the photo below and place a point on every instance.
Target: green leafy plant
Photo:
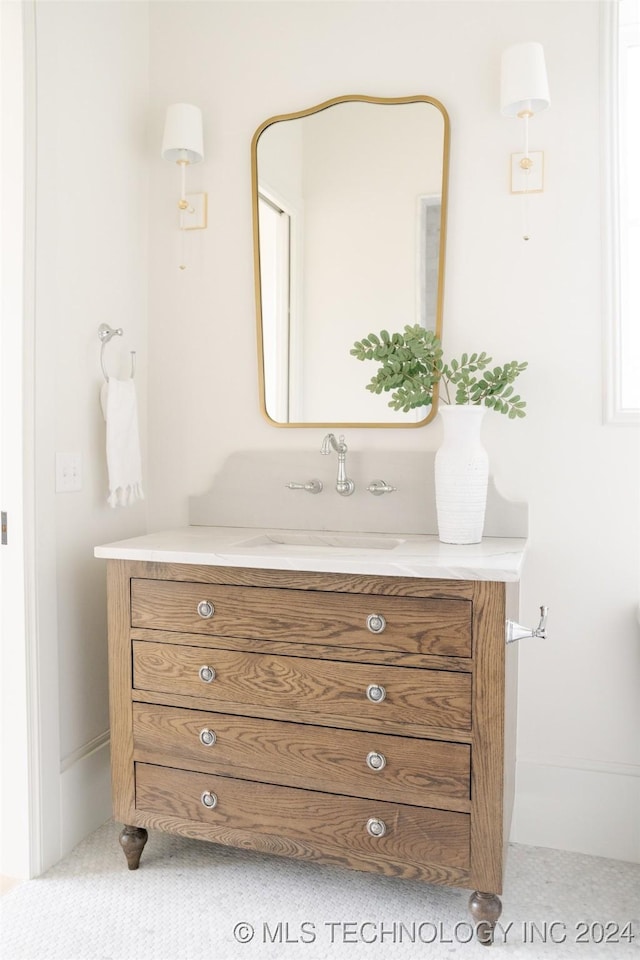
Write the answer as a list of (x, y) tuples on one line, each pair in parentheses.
[(411, 365)]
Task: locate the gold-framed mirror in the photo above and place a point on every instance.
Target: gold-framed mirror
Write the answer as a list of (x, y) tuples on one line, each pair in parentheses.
[(349, 228)]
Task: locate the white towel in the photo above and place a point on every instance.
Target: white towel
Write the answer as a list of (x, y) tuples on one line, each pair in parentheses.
[(118, 398)]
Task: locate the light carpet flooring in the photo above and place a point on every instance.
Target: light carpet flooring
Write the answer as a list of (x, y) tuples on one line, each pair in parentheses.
[(188, 898)]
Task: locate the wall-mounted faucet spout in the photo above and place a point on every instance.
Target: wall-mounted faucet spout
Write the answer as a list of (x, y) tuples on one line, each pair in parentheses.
[(344, 485)]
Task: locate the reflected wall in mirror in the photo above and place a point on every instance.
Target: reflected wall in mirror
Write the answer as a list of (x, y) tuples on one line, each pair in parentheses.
[(349, 212)]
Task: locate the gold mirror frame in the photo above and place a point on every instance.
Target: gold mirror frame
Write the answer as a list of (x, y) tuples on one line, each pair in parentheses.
[(256, 247)]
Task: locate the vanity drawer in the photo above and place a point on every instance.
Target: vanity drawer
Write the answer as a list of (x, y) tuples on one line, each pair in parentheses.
[(422, 772), (406, 624), (305, 822), (340, 691)]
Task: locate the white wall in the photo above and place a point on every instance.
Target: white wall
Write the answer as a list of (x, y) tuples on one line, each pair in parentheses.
[(91, 267), (578, 742)]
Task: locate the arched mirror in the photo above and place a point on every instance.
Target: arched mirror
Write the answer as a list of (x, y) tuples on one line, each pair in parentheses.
[(349, 208)]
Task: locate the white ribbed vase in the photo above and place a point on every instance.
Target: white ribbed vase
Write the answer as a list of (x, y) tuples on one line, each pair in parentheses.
[(461, 475)]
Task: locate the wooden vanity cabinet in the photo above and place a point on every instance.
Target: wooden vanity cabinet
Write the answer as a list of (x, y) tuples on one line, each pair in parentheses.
[(362, 721)]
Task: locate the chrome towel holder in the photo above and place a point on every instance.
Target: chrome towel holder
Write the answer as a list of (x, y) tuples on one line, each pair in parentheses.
[(105, 334)]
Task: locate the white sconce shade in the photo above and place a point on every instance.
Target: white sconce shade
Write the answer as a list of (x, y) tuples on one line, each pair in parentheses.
[(524, 85), (183, 141)]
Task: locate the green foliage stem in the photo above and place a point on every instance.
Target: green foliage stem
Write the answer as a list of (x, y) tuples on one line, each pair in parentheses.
[(411, 364)]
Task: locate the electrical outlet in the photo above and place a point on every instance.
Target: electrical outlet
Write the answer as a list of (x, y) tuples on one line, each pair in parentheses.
[(68, 472)]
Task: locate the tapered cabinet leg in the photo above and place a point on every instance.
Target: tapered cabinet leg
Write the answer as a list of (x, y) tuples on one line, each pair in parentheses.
[(485, 909), (132, 841)]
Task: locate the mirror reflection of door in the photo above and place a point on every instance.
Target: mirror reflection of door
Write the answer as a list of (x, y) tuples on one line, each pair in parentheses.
[(428, 249), (275, 269), (362, 185)]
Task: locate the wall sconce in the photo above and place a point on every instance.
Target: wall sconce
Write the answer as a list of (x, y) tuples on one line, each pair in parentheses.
[(524, 92), (182, 143)]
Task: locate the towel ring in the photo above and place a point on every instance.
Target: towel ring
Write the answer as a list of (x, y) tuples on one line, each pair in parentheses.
[(105, 334)]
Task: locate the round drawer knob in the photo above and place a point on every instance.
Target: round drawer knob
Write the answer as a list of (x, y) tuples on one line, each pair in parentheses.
[(376, 622), (206, 609), (376, 693), (209, 799), (207, 737), (207, 674), (376, 827), (376, 761)]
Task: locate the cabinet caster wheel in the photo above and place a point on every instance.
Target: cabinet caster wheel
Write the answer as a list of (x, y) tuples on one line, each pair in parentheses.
[(485, 908), (132, 841)]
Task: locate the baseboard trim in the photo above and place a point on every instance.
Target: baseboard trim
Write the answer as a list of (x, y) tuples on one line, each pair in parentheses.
[(85, 792), (584, 763), (85, 750), (584, 806)]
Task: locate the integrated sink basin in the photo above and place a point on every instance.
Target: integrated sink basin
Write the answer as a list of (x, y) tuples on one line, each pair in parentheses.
[(292, 539)]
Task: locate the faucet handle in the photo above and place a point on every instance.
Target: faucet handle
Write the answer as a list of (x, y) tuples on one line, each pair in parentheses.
[(378, 487), (311, 486)]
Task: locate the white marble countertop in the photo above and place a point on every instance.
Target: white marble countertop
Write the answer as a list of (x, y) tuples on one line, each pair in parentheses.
[(401, 555)]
